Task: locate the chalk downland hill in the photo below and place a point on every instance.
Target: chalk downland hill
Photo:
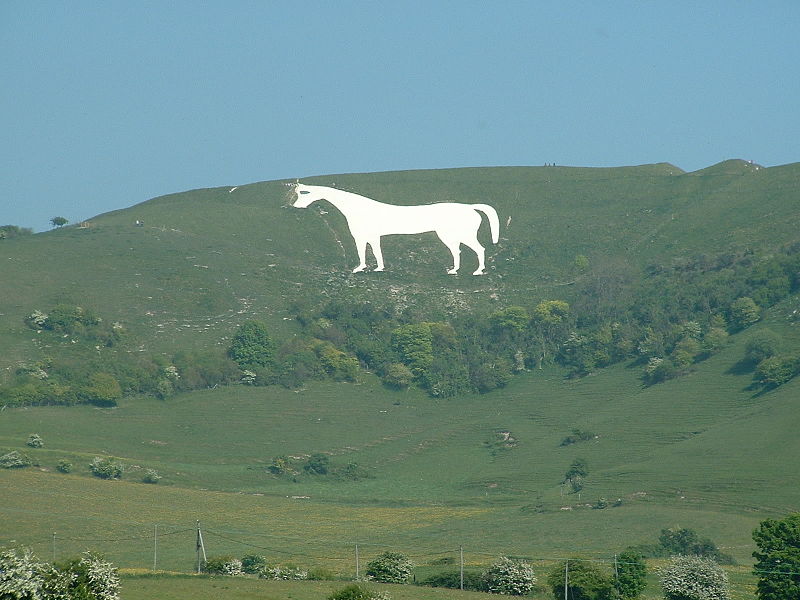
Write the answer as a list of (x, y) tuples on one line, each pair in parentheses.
[(705, 450)]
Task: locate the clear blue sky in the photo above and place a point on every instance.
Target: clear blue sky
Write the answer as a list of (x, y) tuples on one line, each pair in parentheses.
[(106, 104)]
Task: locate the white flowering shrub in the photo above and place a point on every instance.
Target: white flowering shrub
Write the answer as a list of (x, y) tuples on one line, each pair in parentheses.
[(105, 468), (151, 476), (101, 577), (510, 577), (90, 577), (21, 575), (36, 320), (283, 573), (694, 578), (35, 441), (390, 567), (224, 565)]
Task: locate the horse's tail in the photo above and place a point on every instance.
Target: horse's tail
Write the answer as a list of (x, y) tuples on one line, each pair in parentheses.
[(494, 221)]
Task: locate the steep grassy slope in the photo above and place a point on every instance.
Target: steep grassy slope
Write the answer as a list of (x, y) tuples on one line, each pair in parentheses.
[(207, 259)]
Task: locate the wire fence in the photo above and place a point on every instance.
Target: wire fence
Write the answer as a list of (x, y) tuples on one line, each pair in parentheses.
[(162, 547)]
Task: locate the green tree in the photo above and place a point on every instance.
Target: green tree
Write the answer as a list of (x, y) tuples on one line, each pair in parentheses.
[(630, 578), (694, 578), (414, 344), (576, 473), (685, 541), (513, 318), (103, 389), (398, 376), (58, 221), (317, 464), (744, 312), (762, 345), (390, 567), (551, 312), (778, 558), (584, 581), (252, 346), (777, 370)]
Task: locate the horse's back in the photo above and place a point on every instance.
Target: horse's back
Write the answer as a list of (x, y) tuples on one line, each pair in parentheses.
[(388, 219)]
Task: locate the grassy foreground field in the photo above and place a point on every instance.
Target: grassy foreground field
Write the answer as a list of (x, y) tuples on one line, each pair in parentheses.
[(692, 452), (178, 587)]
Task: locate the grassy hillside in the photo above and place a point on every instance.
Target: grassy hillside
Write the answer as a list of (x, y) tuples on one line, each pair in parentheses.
[(705, 451), (206, 259)]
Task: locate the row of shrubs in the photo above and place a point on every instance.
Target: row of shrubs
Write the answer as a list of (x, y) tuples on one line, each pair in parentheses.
[(683, 578), (102, 467)]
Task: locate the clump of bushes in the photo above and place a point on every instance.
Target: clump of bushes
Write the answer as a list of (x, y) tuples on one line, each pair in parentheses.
[(223, 565), (473, 581), (151, 476), (15, 460), (390, 567), (357, 591), (35, 441), (106, 468)]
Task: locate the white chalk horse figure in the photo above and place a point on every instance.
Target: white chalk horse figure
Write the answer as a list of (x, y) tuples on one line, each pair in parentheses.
[(369, 220)]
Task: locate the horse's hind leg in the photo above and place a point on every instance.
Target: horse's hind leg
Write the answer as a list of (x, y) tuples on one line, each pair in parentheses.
[(361, 248), (480, 251), (455, 249), (378, 253)]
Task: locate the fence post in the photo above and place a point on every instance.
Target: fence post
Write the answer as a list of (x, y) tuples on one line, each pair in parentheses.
[(155, 546), (461, 552)]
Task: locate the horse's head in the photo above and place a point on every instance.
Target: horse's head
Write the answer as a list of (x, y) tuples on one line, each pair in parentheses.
[(306, 194)]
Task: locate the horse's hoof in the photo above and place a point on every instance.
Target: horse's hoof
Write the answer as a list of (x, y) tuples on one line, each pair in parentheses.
[(358, 269), (479, 272), (452, 272), (377, 269)]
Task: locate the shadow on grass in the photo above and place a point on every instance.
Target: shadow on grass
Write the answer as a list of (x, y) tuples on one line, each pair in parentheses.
[(742, 367)]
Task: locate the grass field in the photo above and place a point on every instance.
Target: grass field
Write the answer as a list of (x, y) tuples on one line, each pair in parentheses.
[(177, 587), (690, 453)]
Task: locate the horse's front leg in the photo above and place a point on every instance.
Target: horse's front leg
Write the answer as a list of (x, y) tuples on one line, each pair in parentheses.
[(361, 248), (377, 252), (455, 250)]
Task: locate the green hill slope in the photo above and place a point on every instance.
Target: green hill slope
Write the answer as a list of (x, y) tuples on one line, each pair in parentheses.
[(704, 451)]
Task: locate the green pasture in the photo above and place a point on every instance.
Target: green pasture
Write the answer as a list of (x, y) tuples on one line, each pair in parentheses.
[(167, 586), (692, 452)]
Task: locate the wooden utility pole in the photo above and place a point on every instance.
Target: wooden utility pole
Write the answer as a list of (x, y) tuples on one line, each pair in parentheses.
[(566, 578), (461, 551), (358, 573), (201, 549)]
